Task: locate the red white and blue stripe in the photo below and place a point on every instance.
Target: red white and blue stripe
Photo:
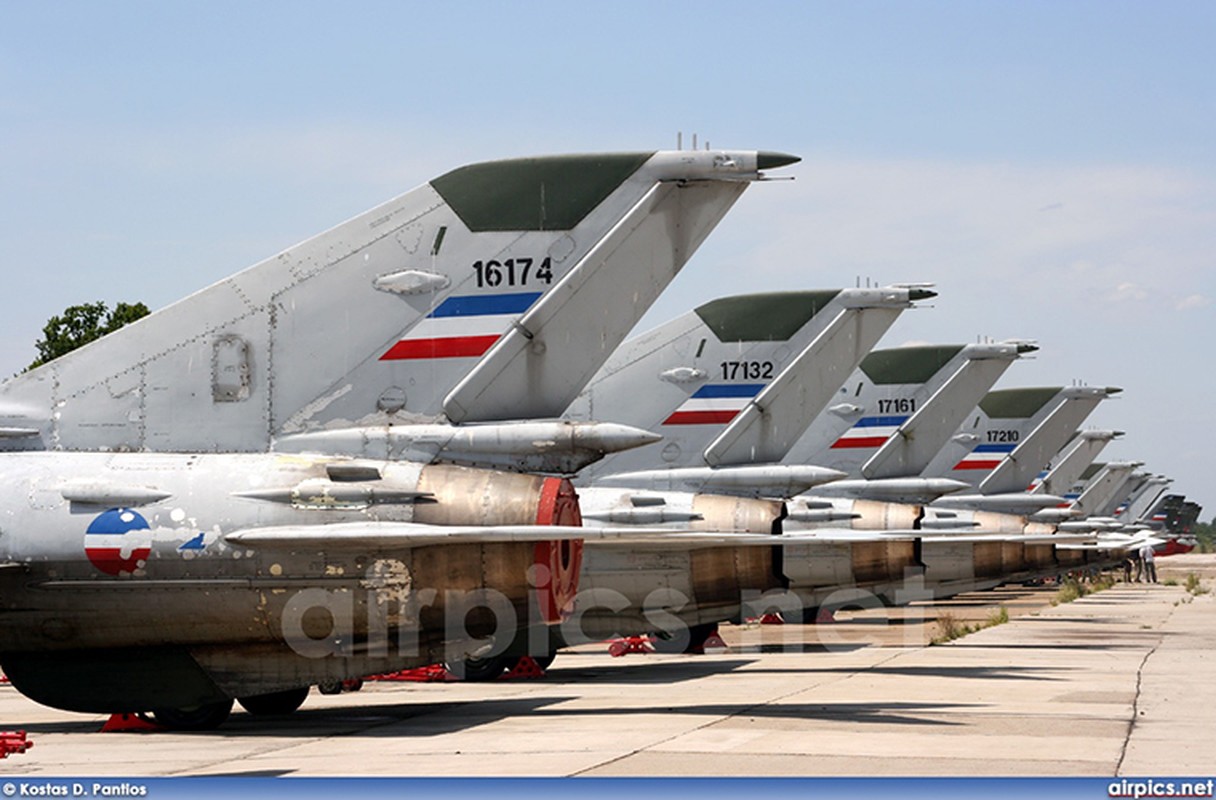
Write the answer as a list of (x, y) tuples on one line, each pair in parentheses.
[(985, 456), (462, 326), (714, 404), (870, 432)]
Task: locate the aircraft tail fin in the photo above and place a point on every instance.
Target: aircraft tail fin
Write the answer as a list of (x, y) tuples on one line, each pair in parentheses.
[(770, 423), (546, 357), (1018, 469), (312, 338), (916, 441)]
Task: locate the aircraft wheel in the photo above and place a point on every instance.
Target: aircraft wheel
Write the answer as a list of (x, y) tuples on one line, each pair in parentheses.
[(544, 661), (274, 703), (478, 670), (200, 718), (694, 642)]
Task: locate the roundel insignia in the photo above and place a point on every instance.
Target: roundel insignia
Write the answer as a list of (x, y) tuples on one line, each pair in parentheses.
[(112, 543)]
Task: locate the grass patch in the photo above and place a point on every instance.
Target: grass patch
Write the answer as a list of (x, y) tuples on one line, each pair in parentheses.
[(998, 616), (949, 628), (1193, 586), (1073, 588), (1170, 582)]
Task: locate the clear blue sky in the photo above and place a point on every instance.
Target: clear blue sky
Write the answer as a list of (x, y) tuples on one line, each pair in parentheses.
[(1051, 165)]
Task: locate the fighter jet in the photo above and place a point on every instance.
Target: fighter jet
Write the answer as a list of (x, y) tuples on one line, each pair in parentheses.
[(182, 563)]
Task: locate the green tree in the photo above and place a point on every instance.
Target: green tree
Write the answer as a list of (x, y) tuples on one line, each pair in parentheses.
[(79, 325), (1205, 532)]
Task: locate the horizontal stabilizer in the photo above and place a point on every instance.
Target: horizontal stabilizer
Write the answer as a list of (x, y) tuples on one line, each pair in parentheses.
[(894, 490), (767, 480), (387, 536), (552, 446), (1012, 503)]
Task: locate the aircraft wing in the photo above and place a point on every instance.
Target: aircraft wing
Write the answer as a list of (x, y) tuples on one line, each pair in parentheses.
[(404, 535), (382, 536)]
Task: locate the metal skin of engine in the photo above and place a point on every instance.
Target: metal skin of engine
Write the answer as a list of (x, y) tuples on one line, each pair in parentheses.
[(634, 590), (670, 591), (146, 605)]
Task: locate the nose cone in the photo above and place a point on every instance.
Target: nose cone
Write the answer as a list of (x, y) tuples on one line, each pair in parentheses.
[(816, 476), (767, 159)]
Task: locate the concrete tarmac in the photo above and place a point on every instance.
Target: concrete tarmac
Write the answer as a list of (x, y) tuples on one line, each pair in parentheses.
[(1112, 684)]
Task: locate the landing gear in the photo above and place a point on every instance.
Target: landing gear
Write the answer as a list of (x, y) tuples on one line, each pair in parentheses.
[(691, 642), (275, 703), (490, 668), (479, 670), (545, 661), (338, 687), (206, 717)]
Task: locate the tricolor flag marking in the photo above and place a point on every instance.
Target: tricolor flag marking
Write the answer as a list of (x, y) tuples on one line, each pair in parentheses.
[(870, 432), (462, 326), (985, 456), (714, 404)]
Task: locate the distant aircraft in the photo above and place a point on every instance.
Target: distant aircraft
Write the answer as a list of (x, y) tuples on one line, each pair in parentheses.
[(203, 506)]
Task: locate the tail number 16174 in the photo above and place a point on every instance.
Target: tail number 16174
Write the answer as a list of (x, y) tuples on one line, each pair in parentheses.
[(512, 272)]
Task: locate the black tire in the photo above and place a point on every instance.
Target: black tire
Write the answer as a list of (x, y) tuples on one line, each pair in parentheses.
[(206, 717), (478, 670), (690, 641), (545, 661), (275, 704)]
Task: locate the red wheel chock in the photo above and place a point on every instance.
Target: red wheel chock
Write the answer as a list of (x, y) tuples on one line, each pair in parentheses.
[(630, 644), (525, 668), (431, 673), (12, 742), (129, 723)]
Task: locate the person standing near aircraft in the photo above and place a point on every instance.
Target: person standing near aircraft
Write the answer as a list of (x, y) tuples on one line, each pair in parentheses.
[(1150, 566)]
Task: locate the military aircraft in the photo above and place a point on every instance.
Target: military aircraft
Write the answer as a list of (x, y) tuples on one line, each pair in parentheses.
[(201, 506)]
